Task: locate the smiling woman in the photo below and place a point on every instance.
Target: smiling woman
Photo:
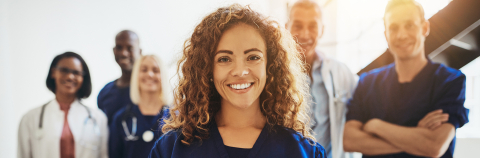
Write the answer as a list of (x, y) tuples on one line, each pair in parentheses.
[(64, 127), (242, 92)]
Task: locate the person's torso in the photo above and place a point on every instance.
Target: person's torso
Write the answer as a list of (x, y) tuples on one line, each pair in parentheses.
[(142, 143), (45, 140), (112, 98), (278, 143), (403, 104)]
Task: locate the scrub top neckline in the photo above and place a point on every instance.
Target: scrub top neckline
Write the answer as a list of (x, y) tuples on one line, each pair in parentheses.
[(119, 88), (421, 75), (141, 118), (222, 149)]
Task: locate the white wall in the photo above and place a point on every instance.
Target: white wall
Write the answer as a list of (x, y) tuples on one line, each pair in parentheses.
[(33, 32)]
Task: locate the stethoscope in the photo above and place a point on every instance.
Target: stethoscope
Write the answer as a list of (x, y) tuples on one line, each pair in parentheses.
[(147, 135), (96, 130)]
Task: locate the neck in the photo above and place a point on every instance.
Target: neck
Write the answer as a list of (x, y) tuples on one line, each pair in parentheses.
[(65, 100), (150, 103), (124, 80), (407, 69), (231, 116)]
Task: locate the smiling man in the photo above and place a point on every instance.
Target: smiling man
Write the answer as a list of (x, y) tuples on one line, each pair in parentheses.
[(331, 82), (116, 94), (412, 107)]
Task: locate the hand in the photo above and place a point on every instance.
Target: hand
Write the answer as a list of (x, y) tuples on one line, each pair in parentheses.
[(433, 120), (371, 125)]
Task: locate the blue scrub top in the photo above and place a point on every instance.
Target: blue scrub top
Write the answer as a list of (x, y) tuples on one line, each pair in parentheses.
[(276, 141), (380, 95), (119, 147), (112, 98)]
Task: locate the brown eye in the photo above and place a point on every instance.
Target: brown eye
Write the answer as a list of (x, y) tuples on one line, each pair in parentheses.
[(253, 57), (223, 59)]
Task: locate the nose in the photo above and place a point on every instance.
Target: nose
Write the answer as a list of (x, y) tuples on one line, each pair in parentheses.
[(70, 76), (124, 52), (402, 34), (240, 69), (151, 73), (304, 33)]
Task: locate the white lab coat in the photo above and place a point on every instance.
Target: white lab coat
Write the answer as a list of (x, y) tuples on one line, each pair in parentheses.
[(345, 83), (90, 141)]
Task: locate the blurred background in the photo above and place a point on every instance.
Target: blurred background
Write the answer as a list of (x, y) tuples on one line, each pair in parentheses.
[(33, 32)]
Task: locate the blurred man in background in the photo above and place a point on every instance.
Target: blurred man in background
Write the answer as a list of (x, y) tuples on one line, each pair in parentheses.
[(412, 107), (331, 82), (116, 94)]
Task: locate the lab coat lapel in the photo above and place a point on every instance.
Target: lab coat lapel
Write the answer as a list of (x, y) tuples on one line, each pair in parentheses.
[(76, 115)]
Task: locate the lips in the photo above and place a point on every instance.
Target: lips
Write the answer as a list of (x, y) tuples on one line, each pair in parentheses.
[(240, 86), (68, 84)]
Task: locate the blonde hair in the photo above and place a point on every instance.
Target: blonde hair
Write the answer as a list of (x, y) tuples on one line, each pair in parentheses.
[(134, 87)]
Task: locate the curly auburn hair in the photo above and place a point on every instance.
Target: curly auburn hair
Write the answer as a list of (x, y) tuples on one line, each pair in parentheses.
[(283, 100)]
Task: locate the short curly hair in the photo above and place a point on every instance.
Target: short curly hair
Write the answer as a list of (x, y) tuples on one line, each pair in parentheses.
[(284, 99)]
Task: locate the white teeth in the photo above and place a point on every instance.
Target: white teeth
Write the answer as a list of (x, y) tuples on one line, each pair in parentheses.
[(241, 86)]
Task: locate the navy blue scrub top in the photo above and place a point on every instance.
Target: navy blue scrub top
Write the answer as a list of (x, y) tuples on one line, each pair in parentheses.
[(380, 95), (276, 141), (112, 98), (118, 147)]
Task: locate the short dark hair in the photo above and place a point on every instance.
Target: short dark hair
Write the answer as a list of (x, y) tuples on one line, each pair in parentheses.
[(86, 88), (395, 3)]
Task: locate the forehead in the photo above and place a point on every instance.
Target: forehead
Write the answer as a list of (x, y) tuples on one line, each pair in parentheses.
[(303, 14), (126, 39), (402, 13), (241, 37), (71, 63), (149, 61)]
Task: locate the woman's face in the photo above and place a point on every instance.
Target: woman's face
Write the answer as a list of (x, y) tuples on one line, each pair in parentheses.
[(149, 78), (239, 70), (68, 76)]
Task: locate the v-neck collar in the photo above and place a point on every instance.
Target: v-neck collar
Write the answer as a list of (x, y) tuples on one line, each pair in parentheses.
[(217, 138), (422, 75), (142, 120)]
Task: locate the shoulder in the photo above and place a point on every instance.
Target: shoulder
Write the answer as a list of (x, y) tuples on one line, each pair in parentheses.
[(165, 145), (374, 74), (31, 115), (107, 87), (119, 114), (97, 113), (292, 137), (447, 74)]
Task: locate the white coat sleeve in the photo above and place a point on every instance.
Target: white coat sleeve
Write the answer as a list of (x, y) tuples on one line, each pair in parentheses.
[(105, 132), (24, 148)]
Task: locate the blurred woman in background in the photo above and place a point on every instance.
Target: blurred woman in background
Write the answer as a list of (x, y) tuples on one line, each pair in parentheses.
[(64, 127), (136, 127), (242, 92)]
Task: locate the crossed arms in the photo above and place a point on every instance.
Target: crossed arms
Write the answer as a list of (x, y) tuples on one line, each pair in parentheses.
[(430, 138)]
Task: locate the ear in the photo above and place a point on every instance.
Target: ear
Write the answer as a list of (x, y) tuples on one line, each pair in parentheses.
[(426, 28), (320, 35)]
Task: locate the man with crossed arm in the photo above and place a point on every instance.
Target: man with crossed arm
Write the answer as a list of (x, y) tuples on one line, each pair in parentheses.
[(412, 107)]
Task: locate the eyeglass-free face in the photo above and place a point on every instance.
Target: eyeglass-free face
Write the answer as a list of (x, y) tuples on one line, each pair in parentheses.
[(239, 71), (68, 76)]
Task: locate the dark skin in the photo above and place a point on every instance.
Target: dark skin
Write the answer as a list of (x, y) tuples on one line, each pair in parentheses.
[(126, 51), (67, 84)]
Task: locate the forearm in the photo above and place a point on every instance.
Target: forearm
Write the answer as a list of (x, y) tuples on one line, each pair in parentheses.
[(414, 140), (356, 140)]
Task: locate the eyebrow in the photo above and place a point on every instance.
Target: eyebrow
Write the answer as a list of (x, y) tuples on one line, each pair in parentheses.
[(245, 52)]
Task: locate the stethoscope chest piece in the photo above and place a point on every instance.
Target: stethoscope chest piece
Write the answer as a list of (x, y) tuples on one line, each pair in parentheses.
[(147, 136)]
